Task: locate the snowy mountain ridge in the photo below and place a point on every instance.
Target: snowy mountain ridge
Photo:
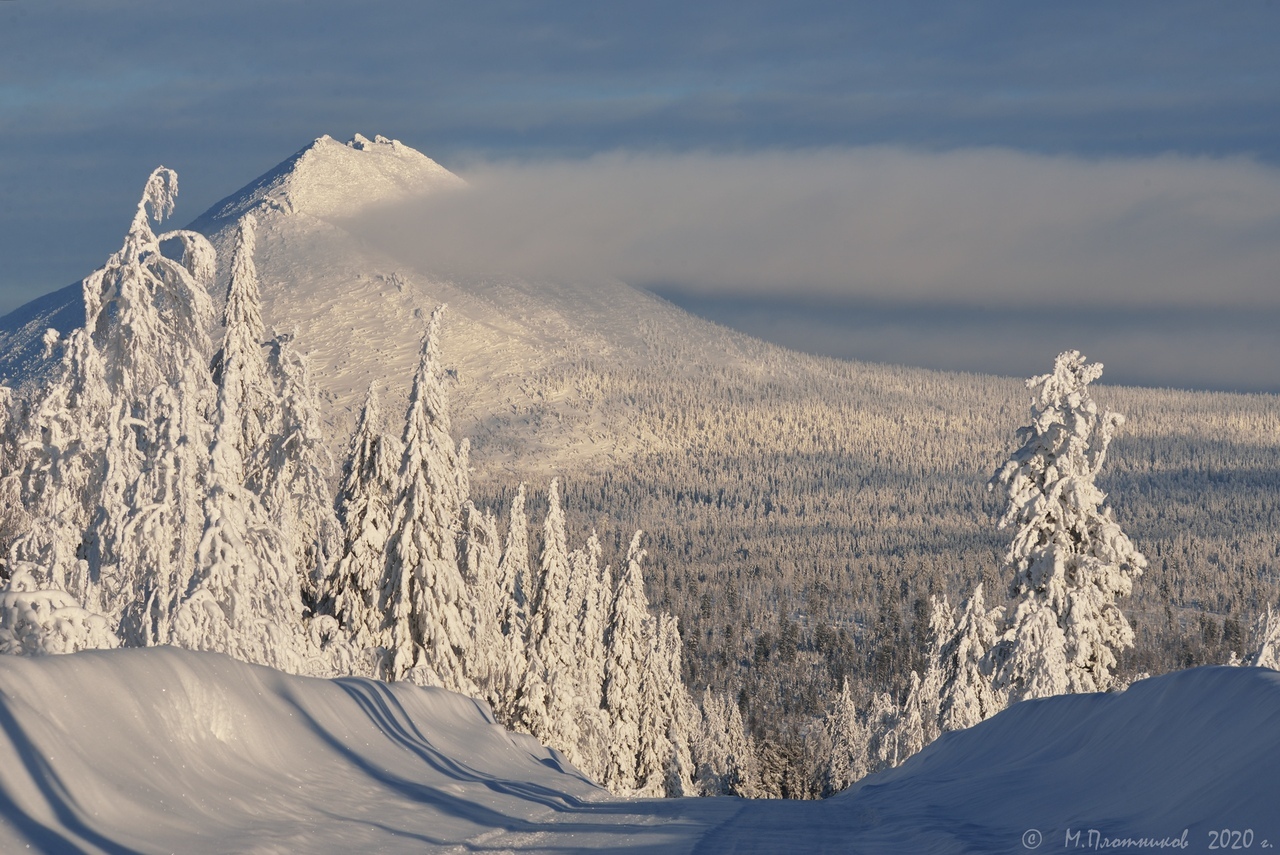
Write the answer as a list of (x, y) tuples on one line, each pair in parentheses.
[(360, 310), (328, 178)]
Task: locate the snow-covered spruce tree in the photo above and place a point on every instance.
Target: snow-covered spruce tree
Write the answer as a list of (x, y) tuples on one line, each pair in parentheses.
[(883, 729), (512, 614), (296, 483), (423, 595), (60, 434), (118, 440), (668, 718), (243, 341), (628, 638), (553, 635), (481, 551), (364, 509), (1266, 641), (967, 695), (1069, 558), (723, 753), (847, 736), (245, 600), (14, 518), (589, 592), (916, 724), (586, 581)]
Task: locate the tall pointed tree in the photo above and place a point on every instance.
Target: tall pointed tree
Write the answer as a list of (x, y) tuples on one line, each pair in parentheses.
[(423, 593), (365, 504), (629, 636), (515, 570), (848, 737), (553, 633), (296, 489), (968, 695), (487, 665), (245, 599)]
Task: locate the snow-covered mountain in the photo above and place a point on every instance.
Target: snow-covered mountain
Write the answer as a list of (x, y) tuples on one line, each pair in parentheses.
[(518, 347), (203, 754)]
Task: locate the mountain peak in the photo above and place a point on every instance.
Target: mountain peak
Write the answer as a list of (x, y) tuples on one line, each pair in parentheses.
[(329, 178)]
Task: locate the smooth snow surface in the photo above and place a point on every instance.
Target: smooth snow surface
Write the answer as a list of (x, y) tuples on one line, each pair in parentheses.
[(162, 750), (165, 750)]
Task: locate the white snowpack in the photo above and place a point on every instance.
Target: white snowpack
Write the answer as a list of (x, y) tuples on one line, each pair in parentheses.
[(162, 750)]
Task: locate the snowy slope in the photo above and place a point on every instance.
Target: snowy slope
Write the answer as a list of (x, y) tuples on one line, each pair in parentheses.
[(205, 754), (163, 750), (360, 312)]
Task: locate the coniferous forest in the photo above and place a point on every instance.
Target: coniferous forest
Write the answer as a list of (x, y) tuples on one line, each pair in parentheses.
[(775, 599)]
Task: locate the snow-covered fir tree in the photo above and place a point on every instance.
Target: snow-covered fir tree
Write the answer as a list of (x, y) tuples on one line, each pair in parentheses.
[(1265, 641), (423, 594), (512, 615), (668, 715), (589, 591), (1069, 558), (296, 487), (628, 638), (916, 722), (967, 695), (117, 439), (884, 731), (514, 569), (245, 598), (553, 635), (488, 665), (723, 752), (243, 341), (365, 504), (847, 738)]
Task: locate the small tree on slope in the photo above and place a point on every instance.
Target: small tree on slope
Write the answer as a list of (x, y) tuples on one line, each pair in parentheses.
[(1070, 560)]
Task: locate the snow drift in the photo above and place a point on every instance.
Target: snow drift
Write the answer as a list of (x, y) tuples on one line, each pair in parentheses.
[(163, 750)]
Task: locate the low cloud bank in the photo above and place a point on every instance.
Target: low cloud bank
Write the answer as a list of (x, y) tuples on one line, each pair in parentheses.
[(1230, 351), (982, 228)]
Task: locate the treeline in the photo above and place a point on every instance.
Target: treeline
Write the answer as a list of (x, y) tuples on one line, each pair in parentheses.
[(159, 490), (804, 512)]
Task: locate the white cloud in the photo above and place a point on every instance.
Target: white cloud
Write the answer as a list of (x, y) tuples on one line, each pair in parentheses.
[(973, 227)]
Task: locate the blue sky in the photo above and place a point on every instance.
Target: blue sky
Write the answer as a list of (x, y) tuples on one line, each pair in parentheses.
[(1182, 96)]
